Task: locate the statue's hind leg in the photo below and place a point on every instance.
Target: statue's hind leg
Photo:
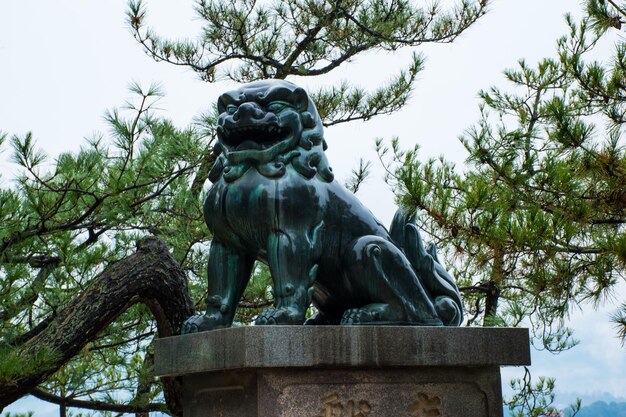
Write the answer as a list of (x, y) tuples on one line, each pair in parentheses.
[(228, 274), (382, 276)]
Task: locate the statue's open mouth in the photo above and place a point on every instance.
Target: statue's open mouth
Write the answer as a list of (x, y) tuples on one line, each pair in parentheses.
[(243, 137), (256, 137)]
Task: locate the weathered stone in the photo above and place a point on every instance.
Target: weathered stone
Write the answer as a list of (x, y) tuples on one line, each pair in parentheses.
[(342, 371)]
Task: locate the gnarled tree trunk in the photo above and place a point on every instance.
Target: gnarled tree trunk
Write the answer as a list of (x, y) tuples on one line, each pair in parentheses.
[(150, 276)]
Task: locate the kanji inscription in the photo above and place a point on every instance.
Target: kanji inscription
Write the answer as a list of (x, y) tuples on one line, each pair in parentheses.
[(425, 406), (332, 406)]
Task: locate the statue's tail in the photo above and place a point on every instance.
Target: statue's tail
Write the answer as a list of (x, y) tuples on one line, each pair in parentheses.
[(435, 278)]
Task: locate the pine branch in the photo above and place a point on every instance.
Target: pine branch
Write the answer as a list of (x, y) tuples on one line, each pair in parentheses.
[(617, 7), (98, 405)]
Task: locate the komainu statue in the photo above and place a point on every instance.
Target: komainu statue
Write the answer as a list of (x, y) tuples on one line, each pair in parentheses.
[(274, 199)]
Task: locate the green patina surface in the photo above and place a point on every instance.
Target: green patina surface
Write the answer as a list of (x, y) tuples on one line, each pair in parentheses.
[(274, 199)]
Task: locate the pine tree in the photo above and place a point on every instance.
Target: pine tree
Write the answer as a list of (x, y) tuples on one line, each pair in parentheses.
[(245, 40), (536, 222)]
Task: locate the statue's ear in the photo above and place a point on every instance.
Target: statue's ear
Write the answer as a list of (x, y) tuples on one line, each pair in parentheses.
[(221, 107), (223, 102), (300, 99)]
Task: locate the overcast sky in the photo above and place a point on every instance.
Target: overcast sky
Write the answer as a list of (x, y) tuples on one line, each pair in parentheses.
[(63, 63)]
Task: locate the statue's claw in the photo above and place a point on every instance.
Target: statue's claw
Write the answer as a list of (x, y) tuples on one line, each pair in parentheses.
[(202, 323), (356, 316), (283, 316)]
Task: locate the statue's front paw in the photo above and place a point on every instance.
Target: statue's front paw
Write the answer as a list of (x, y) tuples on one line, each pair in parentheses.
[(279, 316), (202, 323)]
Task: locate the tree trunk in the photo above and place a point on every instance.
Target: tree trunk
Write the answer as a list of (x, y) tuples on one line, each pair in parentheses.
[(492, 293), (150, 276)]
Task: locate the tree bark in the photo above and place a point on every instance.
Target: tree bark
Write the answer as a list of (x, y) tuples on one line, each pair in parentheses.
[(492, 290), (150, 276), (492, 295)]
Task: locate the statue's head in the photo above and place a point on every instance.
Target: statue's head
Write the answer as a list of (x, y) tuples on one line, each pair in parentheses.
[(267, 125)]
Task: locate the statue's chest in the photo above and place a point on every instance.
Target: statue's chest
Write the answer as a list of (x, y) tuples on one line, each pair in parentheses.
[(250, 208)]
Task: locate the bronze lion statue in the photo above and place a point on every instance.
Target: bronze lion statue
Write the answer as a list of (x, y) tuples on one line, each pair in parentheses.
[(274, 199)]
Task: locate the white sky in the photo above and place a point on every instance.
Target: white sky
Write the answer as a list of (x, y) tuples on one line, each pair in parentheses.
[(63, 63)]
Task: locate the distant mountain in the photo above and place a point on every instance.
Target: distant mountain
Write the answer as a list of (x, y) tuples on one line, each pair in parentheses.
[(597, 409), (602, 409), (563, 399)]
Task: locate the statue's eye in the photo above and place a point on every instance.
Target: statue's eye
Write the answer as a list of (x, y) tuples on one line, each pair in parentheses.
[(276, 106), (231, 109)]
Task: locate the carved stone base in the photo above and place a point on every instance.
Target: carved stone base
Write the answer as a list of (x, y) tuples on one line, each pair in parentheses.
[(327, 371)]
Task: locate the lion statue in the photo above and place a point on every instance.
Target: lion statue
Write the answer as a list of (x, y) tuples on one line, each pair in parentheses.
[(274, 199)]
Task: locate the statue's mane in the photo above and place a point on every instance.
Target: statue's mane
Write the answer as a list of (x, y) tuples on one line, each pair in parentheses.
[(308, 159)]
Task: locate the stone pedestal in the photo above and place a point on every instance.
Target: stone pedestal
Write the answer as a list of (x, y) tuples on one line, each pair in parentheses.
[(342, 371)]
